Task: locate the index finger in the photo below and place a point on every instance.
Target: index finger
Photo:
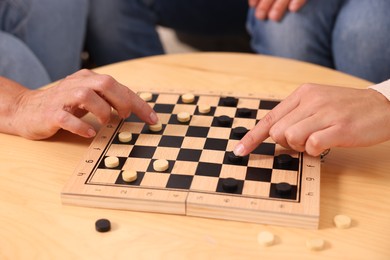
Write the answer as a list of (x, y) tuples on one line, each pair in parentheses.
[(261, 131)]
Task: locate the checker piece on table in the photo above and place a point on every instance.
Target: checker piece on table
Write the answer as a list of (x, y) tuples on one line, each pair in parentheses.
[(202, 177)]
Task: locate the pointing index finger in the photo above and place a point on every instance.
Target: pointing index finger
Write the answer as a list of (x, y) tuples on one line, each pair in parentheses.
[(261, 131)]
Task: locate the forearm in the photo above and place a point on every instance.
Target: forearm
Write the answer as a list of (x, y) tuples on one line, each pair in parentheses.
[(10, 95)]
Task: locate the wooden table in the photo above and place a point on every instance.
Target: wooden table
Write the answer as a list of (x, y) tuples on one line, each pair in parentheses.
[(35, 224)]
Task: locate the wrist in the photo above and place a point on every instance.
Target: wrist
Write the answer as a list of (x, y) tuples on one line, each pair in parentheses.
[(383, 88)]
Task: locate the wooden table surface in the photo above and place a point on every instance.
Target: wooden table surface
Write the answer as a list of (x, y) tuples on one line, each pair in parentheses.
[(34, 224)]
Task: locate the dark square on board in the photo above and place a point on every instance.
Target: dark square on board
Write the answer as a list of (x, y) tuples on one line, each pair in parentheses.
[(191, 155), (142, 151), (208, 169), (171, 141), (178, 181), (216, 144)]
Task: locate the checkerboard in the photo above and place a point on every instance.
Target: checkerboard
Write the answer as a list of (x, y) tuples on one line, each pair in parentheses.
[(198, 152)]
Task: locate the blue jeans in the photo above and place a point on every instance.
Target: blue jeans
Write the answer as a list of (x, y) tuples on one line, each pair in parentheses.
[(41, 40), (352, 36), (125, 29)]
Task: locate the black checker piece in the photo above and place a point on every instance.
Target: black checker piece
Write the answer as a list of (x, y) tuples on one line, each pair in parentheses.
[(228, 102), (222, 121), (232, 159), (246, 113), (275, 192), (230, 185), (238, 132), (293, 165)]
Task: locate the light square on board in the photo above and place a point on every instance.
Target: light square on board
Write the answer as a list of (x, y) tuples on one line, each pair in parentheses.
[(176, 130), (184, 168), (167, 153), (219, 132), (193, 142), (148, 140), (200, 120), (212, 156), (104, 176), (256, 188), (184, 108), (204, 183), (155, 179), (244, 122), (208, 100), (260, 161), (119, 150), (165, 98), (290, 177), (233, 171), (132, 127), (225, 111), (138, 164), (251, 103)]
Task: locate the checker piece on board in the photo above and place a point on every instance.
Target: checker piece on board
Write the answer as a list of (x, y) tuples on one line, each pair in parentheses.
[(244, 112), (230, 101), (234, 158), (188, 98), (284, 159), (240, 131), (230, 185), (224, 121)]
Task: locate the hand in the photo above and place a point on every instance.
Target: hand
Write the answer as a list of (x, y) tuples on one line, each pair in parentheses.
[(41, 113), (275, 9), (316, 117)]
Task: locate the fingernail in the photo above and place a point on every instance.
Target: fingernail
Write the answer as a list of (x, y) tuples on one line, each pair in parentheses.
[(239, 150), (91, 132), (153, 118)]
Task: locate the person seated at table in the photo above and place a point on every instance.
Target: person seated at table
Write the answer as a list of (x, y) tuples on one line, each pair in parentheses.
[(41, 40), (125, 29), (315, 118), (40, 113), (350, 36)]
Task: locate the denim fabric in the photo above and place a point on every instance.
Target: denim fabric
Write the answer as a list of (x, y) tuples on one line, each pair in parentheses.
[(44, 36), (348, 35), (125, 29)]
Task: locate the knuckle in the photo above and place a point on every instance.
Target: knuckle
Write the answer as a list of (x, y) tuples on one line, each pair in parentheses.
[(82, 94), (269, 119), (276, 135), (106, 82), (61, 118)]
